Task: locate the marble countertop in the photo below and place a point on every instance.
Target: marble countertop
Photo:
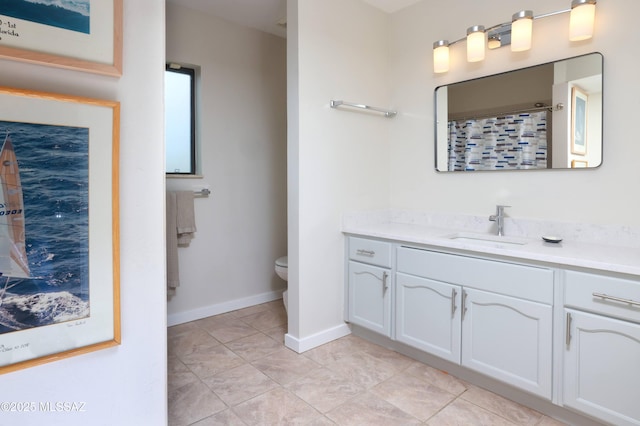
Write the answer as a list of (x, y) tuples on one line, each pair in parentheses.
[(592, 252)]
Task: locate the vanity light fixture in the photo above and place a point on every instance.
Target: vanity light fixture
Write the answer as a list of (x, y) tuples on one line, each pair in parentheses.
[(583, 14), (475, 43), (441, 56), (517, 33), (521, 30)]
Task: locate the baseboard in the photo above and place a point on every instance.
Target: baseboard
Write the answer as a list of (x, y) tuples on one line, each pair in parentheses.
[(315, 340), (221, 308)]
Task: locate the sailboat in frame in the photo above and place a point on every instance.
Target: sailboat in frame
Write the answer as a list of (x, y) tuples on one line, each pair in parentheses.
[(13, 256)]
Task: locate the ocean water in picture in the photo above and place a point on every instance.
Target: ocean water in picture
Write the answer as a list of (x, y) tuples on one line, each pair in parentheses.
[(53, 166), (70, 15)]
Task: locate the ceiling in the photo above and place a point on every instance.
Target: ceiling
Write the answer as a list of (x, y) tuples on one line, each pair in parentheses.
[(265, 15)]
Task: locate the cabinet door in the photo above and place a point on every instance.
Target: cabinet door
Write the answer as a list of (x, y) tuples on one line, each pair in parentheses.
[(509, 339), (427, 315), (370, 297), (602, 367)]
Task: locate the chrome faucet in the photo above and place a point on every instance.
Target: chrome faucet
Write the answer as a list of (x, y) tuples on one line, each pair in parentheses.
[(498, 218)]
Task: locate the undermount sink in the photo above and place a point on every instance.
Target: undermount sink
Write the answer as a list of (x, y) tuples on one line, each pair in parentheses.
[(489, 239)]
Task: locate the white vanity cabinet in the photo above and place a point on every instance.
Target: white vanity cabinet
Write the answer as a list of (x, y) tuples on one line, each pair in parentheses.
[(602, 347), (508, 338), (369, 289), (427, 315), (492, 317)]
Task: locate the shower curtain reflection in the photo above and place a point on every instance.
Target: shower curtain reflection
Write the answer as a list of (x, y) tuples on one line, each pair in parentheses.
[(517, 141)]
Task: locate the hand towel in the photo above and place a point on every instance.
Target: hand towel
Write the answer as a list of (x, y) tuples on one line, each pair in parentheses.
[(185, 217)]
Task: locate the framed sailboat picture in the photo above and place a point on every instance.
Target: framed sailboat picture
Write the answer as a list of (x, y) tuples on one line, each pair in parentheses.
[(84, 35), (59, 228)]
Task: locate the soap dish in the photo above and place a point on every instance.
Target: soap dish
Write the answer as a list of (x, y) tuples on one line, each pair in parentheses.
[(552, 239)]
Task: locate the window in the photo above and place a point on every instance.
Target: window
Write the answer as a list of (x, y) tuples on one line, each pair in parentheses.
[(180, 119)]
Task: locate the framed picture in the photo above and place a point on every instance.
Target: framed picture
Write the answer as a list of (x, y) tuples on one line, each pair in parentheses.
[(84, 35), (579, 164), (578, 121), (59, 227)]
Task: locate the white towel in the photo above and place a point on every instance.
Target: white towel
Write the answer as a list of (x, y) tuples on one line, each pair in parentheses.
[(181, 225)]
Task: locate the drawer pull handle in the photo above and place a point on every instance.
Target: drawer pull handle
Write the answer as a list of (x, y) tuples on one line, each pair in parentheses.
[(385, 286), (363, 252), (464, 303), (616, 299), (568, 331), (454, 294)]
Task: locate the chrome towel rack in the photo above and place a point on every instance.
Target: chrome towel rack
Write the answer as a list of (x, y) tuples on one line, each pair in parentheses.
[(204, 192), (387, 113)]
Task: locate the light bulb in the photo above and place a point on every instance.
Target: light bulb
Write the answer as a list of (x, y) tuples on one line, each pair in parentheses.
[(583, 13), (475, 43), (441, 56), (521, 30)]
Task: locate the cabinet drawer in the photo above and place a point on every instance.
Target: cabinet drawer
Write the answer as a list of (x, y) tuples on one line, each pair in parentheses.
[(525, 282), (370, 251), (602, 294)]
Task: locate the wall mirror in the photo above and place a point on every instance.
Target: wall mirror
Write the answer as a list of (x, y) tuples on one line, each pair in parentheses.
[(547, 116)]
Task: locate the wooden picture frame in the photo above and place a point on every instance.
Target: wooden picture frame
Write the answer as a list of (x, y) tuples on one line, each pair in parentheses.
[(579, 106), (87, 38), (579, 164), (60, 281)]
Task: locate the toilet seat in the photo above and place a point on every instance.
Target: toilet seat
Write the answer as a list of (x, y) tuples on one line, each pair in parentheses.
[(283, 262)]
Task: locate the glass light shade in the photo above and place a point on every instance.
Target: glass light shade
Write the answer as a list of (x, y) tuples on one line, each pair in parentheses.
[(475, 43), (583, 13), (441, 56), (521, 30)]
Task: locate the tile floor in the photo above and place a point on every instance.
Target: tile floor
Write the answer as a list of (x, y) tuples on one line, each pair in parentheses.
[(233, 369)]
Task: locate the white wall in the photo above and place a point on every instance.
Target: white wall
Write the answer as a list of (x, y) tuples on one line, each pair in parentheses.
[(338, 159), (125, 385), (242, 224), (594, 196)]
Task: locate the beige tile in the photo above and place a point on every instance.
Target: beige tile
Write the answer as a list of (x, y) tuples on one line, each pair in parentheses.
[(228, 331), (223, 418), (285, 366), (227, 316), (188, 341), (266, 319), (181, 328), (275, 305), (461, 412), (438, 378), (276, 407), (363, 369), (191, 403), (277, 333), (548, 421), (178, 374), (368, 409), (399, 361), (240, 384), (322, 421), (503, 407), (324, 389), (251, 310), (338, 349), (207, 361), (413, 395), (254, 347)]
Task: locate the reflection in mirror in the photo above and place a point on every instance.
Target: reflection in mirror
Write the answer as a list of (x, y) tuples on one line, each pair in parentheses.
[(544, 117)]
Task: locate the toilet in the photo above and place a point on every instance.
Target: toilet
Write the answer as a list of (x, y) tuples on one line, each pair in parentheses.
[(282, 269)]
